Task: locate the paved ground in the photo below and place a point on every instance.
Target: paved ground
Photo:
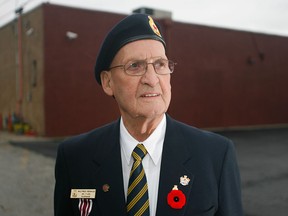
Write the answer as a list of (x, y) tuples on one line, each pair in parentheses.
[(26, 180), (27, 172), (263, 161)]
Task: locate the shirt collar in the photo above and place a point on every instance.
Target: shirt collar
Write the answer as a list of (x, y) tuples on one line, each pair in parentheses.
[(153, 144)]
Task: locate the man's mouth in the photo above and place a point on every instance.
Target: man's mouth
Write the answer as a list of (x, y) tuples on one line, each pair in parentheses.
[(150, 95)]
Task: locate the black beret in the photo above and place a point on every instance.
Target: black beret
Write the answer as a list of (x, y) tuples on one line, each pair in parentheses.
[(132, 28)]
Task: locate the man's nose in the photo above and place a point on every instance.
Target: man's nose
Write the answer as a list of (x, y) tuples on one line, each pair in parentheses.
[(150, 77), (152, 65)]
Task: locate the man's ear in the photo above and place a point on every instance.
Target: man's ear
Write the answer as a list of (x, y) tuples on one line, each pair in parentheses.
[(106, 82)]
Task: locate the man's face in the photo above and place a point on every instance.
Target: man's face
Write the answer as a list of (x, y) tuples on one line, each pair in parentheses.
[(146, 96)]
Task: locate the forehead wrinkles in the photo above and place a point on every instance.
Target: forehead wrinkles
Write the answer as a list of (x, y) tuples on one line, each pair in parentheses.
[(143, 49), (147, 59)]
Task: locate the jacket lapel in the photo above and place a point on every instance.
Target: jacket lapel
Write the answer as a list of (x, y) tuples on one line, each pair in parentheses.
[(109, 178), (174, 157)]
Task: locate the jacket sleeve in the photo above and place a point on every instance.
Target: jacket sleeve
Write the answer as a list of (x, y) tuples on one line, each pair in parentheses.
[(230, 200), (62, 202)]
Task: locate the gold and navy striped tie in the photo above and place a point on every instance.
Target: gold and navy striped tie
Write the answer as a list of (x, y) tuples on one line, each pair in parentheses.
[(137, 196)]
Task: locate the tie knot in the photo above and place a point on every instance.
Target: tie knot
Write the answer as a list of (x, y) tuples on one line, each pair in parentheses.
[(139, 152)]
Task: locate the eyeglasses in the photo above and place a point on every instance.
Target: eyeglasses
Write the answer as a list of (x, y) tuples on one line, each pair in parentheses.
[(139, 67)]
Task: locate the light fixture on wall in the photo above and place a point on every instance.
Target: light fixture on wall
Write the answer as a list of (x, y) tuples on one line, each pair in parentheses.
[(29, 31), (71, 35)]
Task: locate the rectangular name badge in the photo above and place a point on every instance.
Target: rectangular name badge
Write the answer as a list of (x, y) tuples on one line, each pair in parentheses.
[(83, 193)]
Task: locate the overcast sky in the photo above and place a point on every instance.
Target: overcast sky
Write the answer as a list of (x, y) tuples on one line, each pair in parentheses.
[(265, 16)]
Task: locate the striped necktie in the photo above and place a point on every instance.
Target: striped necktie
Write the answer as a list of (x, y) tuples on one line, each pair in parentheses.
[(137, 196)]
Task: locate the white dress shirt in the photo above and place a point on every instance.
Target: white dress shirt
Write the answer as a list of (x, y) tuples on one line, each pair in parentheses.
[(151, 162)]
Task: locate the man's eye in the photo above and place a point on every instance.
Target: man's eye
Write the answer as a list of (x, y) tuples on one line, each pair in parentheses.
[(160, 63), (135, 66)]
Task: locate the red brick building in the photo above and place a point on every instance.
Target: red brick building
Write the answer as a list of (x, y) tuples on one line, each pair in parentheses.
[(224, 78)]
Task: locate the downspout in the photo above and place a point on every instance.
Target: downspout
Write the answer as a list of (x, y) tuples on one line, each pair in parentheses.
[(20, 64)]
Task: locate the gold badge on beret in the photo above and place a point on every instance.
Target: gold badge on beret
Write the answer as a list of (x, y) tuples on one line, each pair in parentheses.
[(153, 26)]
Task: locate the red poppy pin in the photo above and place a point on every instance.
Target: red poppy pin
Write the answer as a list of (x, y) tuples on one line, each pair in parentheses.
[(176, 198)]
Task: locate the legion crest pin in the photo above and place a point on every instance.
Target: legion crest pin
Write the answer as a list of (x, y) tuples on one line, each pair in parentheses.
[(184, 180), (105, 188)]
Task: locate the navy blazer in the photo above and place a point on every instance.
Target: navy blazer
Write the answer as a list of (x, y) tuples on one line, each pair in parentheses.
[(93, 160)]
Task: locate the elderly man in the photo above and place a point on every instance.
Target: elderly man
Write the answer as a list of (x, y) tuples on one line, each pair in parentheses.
[(145, 163)]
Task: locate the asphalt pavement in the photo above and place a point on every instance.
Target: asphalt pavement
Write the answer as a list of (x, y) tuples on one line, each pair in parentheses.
[(27, 172)]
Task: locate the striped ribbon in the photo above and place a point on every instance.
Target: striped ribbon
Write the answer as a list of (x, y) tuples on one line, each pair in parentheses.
[(85, 206)]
